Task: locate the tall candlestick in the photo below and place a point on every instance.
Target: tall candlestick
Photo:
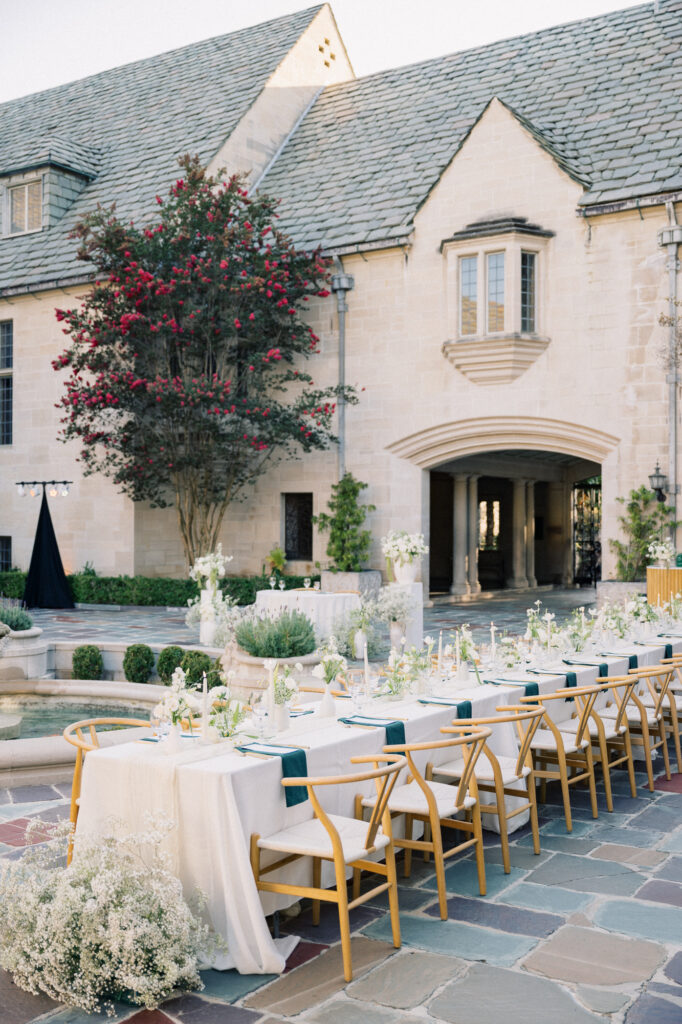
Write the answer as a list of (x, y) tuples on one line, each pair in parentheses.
[(493, 649), (204, 707), (366, 667), (440, 652)]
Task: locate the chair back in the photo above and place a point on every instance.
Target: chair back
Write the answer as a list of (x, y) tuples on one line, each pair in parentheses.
[(74, 733), (621, 689), (470, 739), (585, 697), (525, 719), (657, 680)]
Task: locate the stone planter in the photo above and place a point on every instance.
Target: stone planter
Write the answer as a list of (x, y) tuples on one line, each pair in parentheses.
[(610, 591), (251, 676), (24, 655), (367, 583)]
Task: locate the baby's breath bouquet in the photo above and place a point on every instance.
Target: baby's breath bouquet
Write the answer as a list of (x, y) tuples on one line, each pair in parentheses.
[(112, 925)]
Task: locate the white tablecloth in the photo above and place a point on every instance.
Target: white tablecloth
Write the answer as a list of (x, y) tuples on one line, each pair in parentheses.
[(324, 610), (219, 798)]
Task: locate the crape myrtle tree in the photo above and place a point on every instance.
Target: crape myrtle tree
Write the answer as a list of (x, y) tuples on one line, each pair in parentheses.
[(184, 361)]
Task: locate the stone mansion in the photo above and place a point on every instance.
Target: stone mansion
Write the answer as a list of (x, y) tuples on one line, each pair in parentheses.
[(510, 217)]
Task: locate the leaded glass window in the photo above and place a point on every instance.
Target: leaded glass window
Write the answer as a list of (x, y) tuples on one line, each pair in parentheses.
[(495, 286), (6, 364), (468, 295), (528, 292)]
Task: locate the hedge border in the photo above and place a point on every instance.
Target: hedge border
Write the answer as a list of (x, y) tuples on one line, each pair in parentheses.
[(151, 591)]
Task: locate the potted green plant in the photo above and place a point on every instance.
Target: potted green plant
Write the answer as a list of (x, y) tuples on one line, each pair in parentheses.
[(349, 544), (644, 522)]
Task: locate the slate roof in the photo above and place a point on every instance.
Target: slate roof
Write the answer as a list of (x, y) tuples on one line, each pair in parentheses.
[(56, 150), (141, 117), (602, 95)]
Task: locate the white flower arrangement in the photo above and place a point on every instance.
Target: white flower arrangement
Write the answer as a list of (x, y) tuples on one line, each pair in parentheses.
[(331, 663), (397, 674), (394, 604), (402, 547), (510, 653), (221, 609), (661, 551), (210, 568), (226, 713), (286, 686), (179, 702), (112, 924)]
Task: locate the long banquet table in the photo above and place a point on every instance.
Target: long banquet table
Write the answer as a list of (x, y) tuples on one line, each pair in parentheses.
[(219, 797)]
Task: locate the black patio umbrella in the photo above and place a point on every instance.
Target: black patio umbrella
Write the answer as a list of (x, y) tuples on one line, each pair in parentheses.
[(46, 585)]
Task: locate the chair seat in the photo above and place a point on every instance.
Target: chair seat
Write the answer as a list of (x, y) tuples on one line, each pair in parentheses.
[(633, 716), (310, 838), (483, 770), (410, 799), (610, 731), (677, 697), (544, 740)]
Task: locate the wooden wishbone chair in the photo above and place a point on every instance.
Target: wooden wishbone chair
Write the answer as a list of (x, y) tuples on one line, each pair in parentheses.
[(672, 708), (345, 842), (504, 776), (435, 804), (74, 734), (646, 716), (550, 746), (609, 730)]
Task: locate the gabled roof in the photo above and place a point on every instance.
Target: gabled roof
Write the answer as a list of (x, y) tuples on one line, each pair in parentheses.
[(56, 151), (602, 95), (141, 117)]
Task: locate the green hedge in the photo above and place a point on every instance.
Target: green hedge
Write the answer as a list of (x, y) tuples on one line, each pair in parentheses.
[(158, 591)]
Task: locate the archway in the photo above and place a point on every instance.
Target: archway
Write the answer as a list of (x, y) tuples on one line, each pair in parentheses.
[(514, 501)]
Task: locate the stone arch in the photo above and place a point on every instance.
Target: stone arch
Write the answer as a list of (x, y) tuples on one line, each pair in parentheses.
[(455, 440)]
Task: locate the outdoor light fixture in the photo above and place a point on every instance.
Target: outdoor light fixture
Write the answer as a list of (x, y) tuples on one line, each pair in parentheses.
[(55, 487), (659, 483)]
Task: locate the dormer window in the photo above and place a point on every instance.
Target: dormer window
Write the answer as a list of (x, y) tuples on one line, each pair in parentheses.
[(25, 207), (496, 271)]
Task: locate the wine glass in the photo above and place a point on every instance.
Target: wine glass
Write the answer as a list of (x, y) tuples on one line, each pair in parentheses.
[(281, 584), (306, 583), (260, 714), (316, 585), (272, 582), (358, 695)]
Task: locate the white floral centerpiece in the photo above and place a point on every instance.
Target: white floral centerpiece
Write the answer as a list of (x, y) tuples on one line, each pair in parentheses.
[(402, 549), (212, 605), (285, 688), (226, 714), (178, 705), (398, 674), (327, 669), (661, 552), (112, 925), (466, 653)]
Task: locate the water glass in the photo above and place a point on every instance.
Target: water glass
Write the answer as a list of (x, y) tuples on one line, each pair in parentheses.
[(260, 716), (281, 584), (358, 696), (316, 585), (306, 583)]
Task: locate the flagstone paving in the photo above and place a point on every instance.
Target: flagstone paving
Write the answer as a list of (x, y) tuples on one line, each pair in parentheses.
[(580, 934), (591, 930)]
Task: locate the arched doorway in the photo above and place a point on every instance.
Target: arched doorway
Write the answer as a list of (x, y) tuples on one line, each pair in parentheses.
[(513, 501)]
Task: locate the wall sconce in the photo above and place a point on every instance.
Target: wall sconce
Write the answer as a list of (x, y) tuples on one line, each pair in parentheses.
[(659, 483)]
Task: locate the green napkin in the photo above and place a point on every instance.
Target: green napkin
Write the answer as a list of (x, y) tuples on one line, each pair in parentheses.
[(571, 680), (632, 661), (294, 765), (395, 731), (464, 709), (668, 651), (604, 668), (532, 690)]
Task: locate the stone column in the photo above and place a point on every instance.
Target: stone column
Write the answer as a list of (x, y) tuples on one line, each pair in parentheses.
[(518, 578), (530, 533), (474, 529), (459, 539)]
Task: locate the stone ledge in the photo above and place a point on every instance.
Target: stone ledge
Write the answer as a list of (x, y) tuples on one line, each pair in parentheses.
[(494, 360)]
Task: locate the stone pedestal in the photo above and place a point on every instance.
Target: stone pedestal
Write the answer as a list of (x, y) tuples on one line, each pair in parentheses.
[(24, 655)]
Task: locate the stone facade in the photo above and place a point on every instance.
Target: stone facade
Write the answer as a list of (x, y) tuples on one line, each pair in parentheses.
[(516, 416)]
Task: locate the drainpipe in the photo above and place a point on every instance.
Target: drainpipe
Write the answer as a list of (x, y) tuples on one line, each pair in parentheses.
[(342, 283), (671, 238)]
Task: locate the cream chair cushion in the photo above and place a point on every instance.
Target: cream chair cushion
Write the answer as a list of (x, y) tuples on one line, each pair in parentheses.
[(410, 799), (310, 838)]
